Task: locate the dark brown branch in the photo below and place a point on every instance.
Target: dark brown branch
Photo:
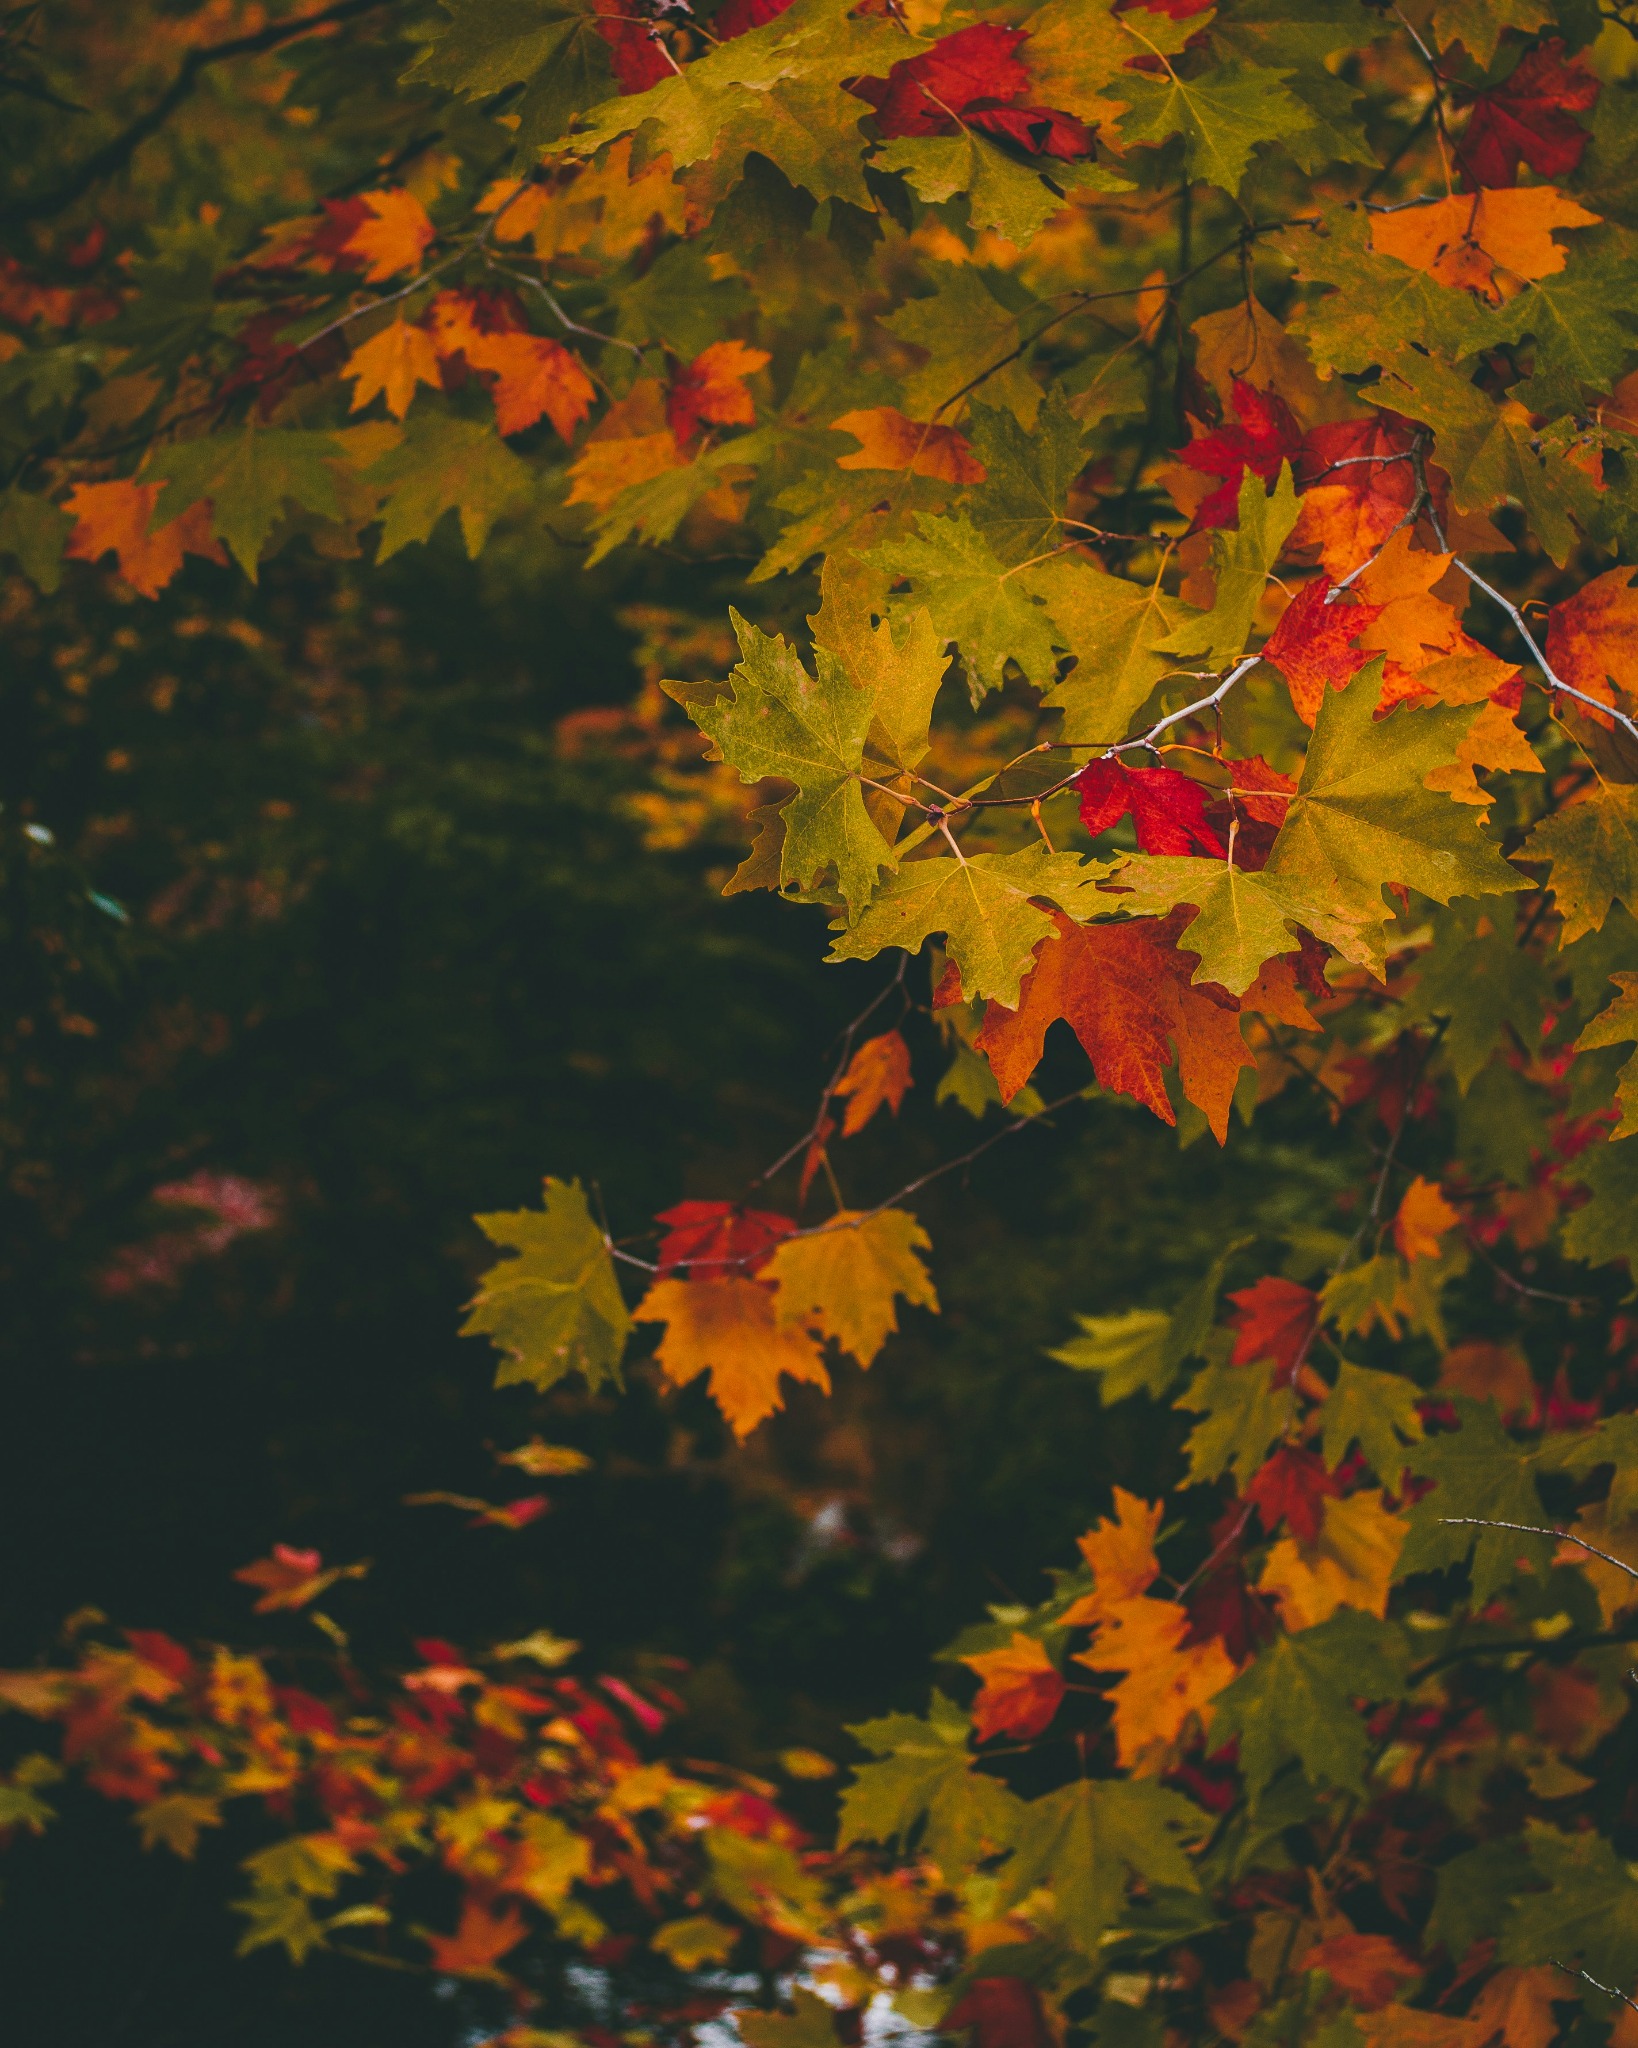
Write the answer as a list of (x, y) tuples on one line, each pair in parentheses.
[(117, 153)]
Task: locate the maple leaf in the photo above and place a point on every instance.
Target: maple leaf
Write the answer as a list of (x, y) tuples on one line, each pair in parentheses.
[(1168, 810), (636, 47), (1169, 1680), (289, 1578), (1358, 484), (1529, 118), (545, 1461), (1592, 843), (117, 518), (877, 1077), (394, 235), (1479, 1478), (392, 364), (1518, 2003), (1242, 1409), (1083, 1839), (1490, 1372), (727, 1328), (1296, 1700), (984, 905), (1022, 1690), (1423, 1218), (925, 1775), (1313, 645), (1274, 1320), (1588, 1914), (556, 1308), (445, 464), (1592, 636), (1474, 241), (1349, 1564), (840, 1281), (887, 440), (480, 1939), (712, 388), (535, 377), (926, 95), (249, 477), (974, 600), (1292, 1487), (1264, 436), (1113, 628), (1618, 1025), (177, 1820), (1120, 1554), (1245, 917), (711, 1236), (1376, 1410), (1124, 991), (1368, 1969)]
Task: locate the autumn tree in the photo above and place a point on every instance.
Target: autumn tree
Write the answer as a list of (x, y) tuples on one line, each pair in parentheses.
[(1176, 465)]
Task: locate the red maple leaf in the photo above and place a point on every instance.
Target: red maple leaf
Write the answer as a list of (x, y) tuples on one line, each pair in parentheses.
[(1168, 809), (1358, 483), (1001, 2012), (1266, 434), (971, 79), (1291, 1488), (1273, 1320), (636, 55), (739, 16), (716, 1238), (1314, 644), (1529, 118)]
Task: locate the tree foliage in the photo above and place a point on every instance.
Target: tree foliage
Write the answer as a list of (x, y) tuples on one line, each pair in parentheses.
[(1177, 464)]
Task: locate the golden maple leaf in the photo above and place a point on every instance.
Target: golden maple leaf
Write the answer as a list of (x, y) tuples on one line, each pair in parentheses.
[(727, 1328), (840, 1281), (392, 364)]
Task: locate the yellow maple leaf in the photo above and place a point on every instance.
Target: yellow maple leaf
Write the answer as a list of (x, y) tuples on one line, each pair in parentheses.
[(840, 1281), (1121, 1554), (394, 237), (1167, 1682), (727, 1328), (1350, 1564), (391, 364), (176, 1821), (1617, 1590), (1424, 1217)]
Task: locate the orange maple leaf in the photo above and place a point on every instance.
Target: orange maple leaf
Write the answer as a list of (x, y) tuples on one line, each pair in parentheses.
[(1490, 1372), (1121, 1554), (1272, 1319), (115, 516), (392, 364), (394, 237), (1424, 1217), (712, 387), (1167, 1683), (1592, 636), (887, 440), (1023, 1689), (878, 1074), (1124, 990), (728, 1328), (1369, 1969), (1482, 241), (479, 1942), (1518, 2003), (1350, 1564), (291, 1577), (629, 444), (535, 377), (1415, 628)]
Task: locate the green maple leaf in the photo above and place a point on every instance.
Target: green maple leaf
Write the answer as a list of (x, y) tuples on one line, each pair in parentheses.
[(1491, 449), (813, 731), (445, 464), (965, 331), (1361, 817), (249, 477), (1481, 1476), (1473, 1892), (1013, 198), (1244, 917), (1221, 115), (1081, 1841), (1578, 321), (1614, 1441), (552, 49), (811, 2025), (1114, 628), (1376, 301), (34, 530), (1128, 1352), (1295, 1703), (1241, 557), (1376, 1410), (1298, 39), (984, 905), (973, 601), (1589, 1913), (556, 1308), (1020, 505), (924, 1777), (1482, 985), (1607, 1228), (804, 125), (1478, 25), (1593, 846), (1243, 1410)]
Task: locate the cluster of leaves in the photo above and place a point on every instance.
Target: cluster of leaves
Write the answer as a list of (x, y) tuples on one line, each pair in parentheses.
[(1152, 682)]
